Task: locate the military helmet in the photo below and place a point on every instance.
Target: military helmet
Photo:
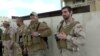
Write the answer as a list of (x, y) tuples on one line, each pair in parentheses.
[(6, 22)]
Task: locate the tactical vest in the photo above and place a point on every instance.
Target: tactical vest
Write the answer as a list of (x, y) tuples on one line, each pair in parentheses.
[(20, 34), (6, 35), (67, 30), (34, 42)]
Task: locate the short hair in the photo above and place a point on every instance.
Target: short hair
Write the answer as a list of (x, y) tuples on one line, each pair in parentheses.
[(68, 7)]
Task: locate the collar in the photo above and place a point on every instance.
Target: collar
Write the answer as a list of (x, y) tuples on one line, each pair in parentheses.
[(36, 22), (69, 21)]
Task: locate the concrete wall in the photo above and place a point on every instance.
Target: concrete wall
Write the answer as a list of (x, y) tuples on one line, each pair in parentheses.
[(91, 24)]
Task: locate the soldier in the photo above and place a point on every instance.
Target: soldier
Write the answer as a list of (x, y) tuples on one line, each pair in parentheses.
[(9, 31), (36, 33), (10, 47), (70, 35), (20, 34)]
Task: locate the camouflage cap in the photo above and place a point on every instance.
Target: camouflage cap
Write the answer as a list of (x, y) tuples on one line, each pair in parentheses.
[(6, 22), (33, 14)]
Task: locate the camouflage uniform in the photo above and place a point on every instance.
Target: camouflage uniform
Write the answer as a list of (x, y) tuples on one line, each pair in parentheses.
[(20, 34), (9, 34), (10, 47), (75, 38), (37, 45), (13, 50)]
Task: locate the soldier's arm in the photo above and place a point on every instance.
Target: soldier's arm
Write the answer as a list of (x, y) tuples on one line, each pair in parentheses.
[(25, 42), (24, 30), (44, 30), (25, 35), (79, 37)]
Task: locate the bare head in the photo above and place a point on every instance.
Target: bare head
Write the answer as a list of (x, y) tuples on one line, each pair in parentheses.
[(19, 21), (66, 12)]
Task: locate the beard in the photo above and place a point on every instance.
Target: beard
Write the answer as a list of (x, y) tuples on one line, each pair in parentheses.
[(66, 17), (18, 25)]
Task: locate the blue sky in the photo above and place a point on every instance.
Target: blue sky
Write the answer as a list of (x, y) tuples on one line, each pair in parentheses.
[(24, 7)]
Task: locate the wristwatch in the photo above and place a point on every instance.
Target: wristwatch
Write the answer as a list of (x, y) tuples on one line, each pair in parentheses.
[(39, 34)]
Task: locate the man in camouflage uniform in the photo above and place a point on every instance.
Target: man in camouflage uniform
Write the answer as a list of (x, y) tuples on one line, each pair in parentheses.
[(70, 34), (10, 47), (20, 34), (36, 33)]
